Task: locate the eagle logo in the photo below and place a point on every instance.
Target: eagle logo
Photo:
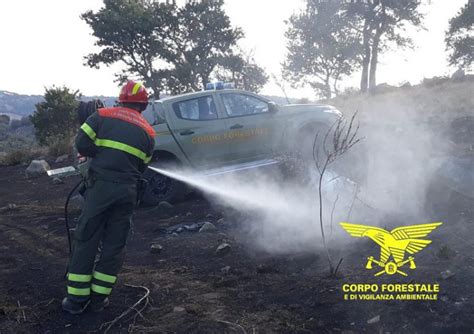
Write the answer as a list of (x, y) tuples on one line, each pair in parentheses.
[(393, 244)]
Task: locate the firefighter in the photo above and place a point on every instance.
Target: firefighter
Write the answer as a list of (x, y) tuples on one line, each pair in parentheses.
[(120, 142)]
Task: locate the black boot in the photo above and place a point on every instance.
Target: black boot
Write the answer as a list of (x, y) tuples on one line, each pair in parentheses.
[(73, 307), (98, 303)]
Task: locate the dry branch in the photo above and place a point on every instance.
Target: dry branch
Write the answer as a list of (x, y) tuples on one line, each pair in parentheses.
[(344, 137), (144, 298)]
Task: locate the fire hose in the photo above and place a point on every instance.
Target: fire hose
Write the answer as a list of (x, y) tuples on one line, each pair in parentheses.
[(66, 214)]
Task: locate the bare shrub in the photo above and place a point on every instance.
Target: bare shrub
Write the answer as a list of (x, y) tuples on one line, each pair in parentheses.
[(339, 139), (20, 156)]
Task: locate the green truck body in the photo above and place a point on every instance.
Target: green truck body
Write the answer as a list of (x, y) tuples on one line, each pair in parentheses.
[(221, 129)]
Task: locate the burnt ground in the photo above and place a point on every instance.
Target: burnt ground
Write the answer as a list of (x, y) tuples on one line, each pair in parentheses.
[(191, 291)]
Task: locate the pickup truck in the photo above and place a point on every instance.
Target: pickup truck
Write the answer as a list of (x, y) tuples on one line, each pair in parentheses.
[(220, 130)]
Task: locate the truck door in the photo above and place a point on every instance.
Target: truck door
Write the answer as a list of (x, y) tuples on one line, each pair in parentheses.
[(251, 127), (199, 130)]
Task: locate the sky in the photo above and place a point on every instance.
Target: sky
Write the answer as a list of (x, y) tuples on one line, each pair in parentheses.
[(44, 44)]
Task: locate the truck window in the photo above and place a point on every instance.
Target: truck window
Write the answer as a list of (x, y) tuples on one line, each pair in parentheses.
[(242, 104), (198, 109)]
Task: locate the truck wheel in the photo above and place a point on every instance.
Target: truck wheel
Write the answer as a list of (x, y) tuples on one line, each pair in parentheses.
[(161, 188)]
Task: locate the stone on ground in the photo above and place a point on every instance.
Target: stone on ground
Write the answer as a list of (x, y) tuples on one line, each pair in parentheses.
[(37, 168)]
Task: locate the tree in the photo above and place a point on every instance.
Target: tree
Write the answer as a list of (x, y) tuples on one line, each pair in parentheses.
[(382, 24), (203, 40), (171, 48), (242, 70), (322, 47), (56, 118), (135, 33), (459, 37)]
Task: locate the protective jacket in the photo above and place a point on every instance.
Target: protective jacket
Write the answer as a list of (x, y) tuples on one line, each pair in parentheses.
[(121, 142)]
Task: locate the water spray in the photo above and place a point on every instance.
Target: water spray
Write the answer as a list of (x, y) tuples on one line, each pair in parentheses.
[(281, 215)]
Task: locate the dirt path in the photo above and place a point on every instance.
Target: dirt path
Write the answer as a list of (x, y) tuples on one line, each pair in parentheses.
[(193, 290)]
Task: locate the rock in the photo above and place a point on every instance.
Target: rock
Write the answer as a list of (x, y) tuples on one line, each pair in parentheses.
[(194, 309), (57, 180), (192, 227), (156, 248), (165, 205), (447, 274), (188, 214), (179, 309), (209, 216), (37, 168), (374, 320), (174, 235), (9, 207), (207, 227), (221, 221), (61, 159), (225, 270), (223, 248), (182, 227)]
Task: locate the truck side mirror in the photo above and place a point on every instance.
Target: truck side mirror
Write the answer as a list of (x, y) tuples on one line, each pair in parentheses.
[(272, 107)]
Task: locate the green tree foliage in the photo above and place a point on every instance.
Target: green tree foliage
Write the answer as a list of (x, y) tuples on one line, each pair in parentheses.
[(136, 34), (242, 70), (55, 119), (460, 38), (204, 39), (171, 48), (381, 24), (322, 47)]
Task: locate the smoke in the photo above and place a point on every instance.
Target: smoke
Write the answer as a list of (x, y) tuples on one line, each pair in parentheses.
[(397, 160)]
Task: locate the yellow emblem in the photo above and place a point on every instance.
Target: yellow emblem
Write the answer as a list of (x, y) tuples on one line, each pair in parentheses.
[(394, 243)]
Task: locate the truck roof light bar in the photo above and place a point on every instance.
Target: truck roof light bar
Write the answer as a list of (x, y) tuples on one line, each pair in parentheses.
[(219, 85)]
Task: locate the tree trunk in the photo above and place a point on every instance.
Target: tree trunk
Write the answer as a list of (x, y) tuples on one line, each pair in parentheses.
[(373, 63), (366, 58), (336, 80), (375, 52), (327, 87)]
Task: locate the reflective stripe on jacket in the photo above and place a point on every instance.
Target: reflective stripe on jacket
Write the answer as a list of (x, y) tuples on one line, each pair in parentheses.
[(121, 142)]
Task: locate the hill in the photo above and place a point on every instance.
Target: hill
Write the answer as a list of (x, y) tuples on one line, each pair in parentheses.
[(434, 97), (18, 104)]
